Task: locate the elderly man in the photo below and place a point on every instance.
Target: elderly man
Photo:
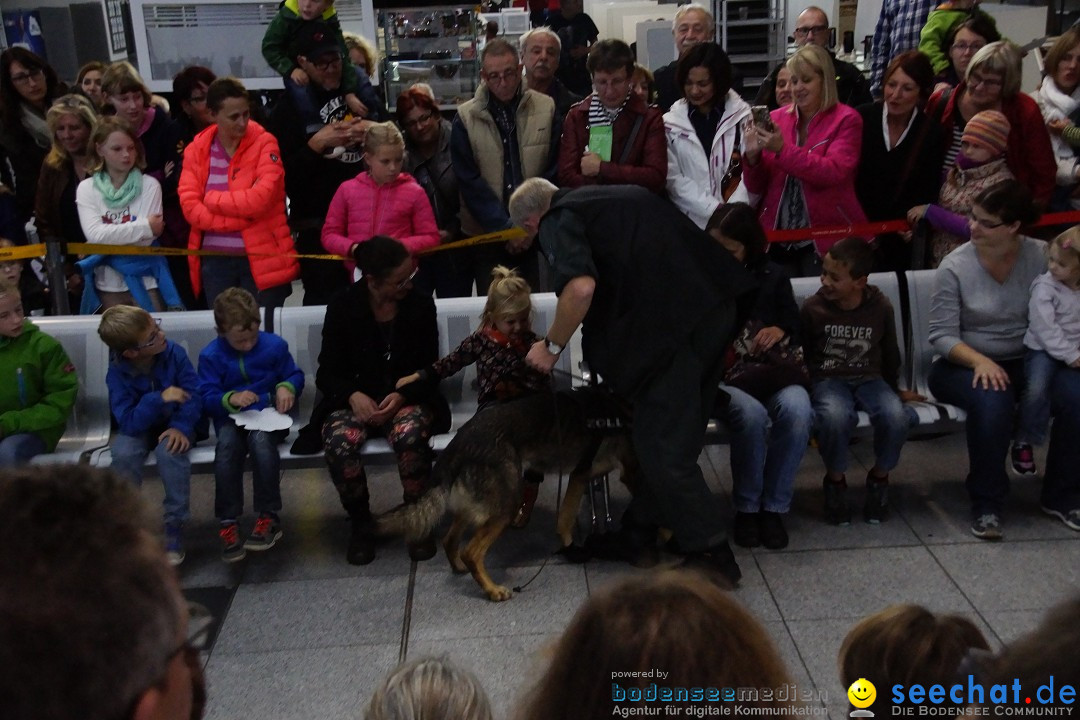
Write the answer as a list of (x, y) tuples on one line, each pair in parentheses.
[(92, 622), (812, 26), (655, 297), (693, 24), (635, 148), (540, 52), (501, 137), (317, 159)]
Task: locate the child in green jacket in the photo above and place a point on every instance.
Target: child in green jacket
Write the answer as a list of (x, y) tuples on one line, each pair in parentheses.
[(37, 385), (938, 24)]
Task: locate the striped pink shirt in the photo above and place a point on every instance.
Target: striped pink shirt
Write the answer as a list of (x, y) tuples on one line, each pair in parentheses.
[(218, 179)]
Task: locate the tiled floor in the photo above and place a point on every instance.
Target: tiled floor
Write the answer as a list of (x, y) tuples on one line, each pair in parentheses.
[(305, 635)]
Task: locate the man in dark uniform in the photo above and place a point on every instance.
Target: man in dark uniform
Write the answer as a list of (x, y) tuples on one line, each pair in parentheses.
[(656, 298)]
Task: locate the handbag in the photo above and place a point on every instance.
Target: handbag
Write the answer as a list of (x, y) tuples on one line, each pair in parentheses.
[(731, 179), (766, 373)]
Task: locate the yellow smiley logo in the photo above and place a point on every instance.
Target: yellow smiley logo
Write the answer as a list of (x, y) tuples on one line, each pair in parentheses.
[(862, 693)]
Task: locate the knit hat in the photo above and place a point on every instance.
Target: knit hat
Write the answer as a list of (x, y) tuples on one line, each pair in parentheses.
[(988, 129)]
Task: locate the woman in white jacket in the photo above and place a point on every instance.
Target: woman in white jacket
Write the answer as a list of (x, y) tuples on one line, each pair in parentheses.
[(1058, 99), (710, 115)]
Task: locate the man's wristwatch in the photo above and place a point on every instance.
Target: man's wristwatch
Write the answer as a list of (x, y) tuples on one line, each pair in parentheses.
[(552, 347)]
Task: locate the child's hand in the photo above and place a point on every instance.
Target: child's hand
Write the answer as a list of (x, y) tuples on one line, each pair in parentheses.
[(175, 394), (910, 396), (1058, 125), (299, 77), (362, 406), (358, 108), (284, 399), (157, 224), (243, 399), (407, 380), (917, 213), (175, 441)]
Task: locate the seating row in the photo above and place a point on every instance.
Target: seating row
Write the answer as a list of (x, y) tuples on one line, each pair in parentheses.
[(87, 436)]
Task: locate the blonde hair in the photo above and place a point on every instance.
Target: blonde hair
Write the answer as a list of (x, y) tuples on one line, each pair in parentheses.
[(235, 307), (814, 58), (509, 295), (122, 77), (429, 689), (384, 133), (358, 42), (121, 326), (106, 127), (1068, 242), (71, 104)]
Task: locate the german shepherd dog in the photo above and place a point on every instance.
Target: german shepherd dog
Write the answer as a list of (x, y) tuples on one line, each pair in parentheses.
[(478, 478)]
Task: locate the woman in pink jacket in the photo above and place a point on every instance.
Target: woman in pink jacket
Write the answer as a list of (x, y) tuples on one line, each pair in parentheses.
[(804, 168), (380, 201)]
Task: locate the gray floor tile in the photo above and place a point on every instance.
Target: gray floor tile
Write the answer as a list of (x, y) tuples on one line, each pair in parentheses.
[(818, 642), (448, 606), (1013, 575), (789, 652), (818, 585), (315, 613), (330, 683), (505, 665), (1008, 625)]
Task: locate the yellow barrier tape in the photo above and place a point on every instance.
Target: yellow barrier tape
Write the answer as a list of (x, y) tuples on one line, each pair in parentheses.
[(21, 252)]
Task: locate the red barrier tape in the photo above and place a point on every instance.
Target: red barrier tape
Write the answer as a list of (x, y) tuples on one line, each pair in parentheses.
[(870, 229)]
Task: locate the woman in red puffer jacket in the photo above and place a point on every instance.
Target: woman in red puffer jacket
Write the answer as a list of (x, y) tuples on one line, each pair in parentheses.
[(380, 201)]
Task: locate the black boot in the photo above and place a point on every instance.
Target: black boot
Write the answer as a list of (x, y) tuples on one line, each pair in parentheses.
[(718, 563), (361, 549)]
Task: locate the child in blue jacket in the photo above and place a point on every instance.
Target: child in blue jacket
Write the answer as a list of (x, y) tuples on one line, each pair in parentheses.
[(245, 369), (153, 395)]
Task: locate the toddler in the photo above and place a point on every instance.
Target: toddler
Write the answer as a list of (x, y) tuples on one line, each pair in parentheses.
[(38, 384), (246, 369), (498, 348), (1052, 344)]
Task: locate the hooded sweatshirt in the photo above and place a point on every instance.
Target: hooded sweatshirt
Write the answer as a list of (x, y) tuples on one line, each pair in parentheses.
[(38, 385), (857, 344)]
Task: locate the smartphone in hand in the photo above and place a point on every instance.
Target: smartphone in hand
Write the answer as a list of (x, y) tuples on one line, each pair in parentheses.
[(762, 118)]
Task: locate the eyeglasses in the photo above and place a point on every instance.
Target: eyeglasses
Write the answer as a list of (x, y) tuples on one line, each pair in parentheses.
[(199, 623), (401, 285), (154, 337), (327, 62), (25, 77), (987, 224), (812, 30), (506, 76), (976, 80), (420, 120), (964, 47)]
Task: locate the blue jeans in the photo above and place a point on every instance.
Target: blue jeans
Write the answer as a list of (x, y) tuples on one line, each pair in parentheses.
[(836, 401), (989, 427), (233, 445), (18, 449), (1061, 483), (1039, 371), (128, 457), (767, 444)]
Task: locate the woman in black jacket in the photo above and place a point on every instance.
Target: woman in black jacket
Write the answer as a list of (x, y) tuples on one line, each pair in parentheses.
[(376, 331)]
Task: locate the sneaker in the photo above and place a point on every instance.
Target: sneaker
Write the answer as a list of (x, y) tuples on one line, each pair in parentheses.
[(837, 511), (1023, 459), (265, 535), (987, 526), (717, 561), (174, 544), (1071, 518), (745, 531), (773, 534), (876, 507), (232, 549)]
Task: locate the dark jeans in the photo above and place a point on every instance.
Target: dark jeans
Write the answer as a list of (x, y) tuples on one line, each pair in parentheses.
[(1061, 483), (221, 273), (670, 415), (1039, 372), (233, 446), (989, 427), (322, 279)]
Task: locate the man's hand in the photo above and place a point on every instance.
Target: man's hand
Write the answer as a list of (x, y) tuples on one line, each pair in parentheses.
[(518, 245), (175, 394), (540, 359), (910, 396), (362, 406), (766, 338), (299, 77), (175, 441), (243, 399), (387, 408), (590, 164), (358, 108), (284, 399), (331, 136)]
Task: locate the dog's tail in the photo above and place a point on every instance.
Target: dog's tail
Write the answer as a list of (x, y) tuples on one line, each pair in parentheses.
[(415, 521)]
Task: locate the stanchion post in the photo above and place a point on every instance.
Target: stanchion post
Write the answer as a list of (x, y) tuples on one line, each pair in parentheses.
[(54, 268)]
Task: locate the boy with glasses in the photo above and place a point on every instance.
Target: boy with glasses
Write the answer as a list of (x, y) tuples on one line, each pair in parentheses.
[(154, 398)]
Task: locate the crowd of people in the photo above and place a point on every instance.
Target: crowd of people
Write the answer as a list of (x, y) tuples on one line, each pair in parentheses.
[(951, 144)]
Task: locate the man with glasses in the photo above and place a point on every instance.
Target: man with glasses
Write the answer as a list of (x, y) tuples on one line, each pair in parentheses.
[(92, 621), (540, 52), (693, 25), (812, 26), (501, 137), (317, 159)]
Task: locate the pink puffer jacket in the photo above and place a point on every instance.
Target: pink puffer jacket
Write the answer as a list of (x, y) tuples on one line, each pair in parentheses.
[(361, 209)]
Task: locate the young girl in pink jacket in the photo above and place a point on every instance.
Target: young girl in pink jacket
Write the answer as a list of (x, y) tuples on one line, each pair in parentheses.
[(380, 201)]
